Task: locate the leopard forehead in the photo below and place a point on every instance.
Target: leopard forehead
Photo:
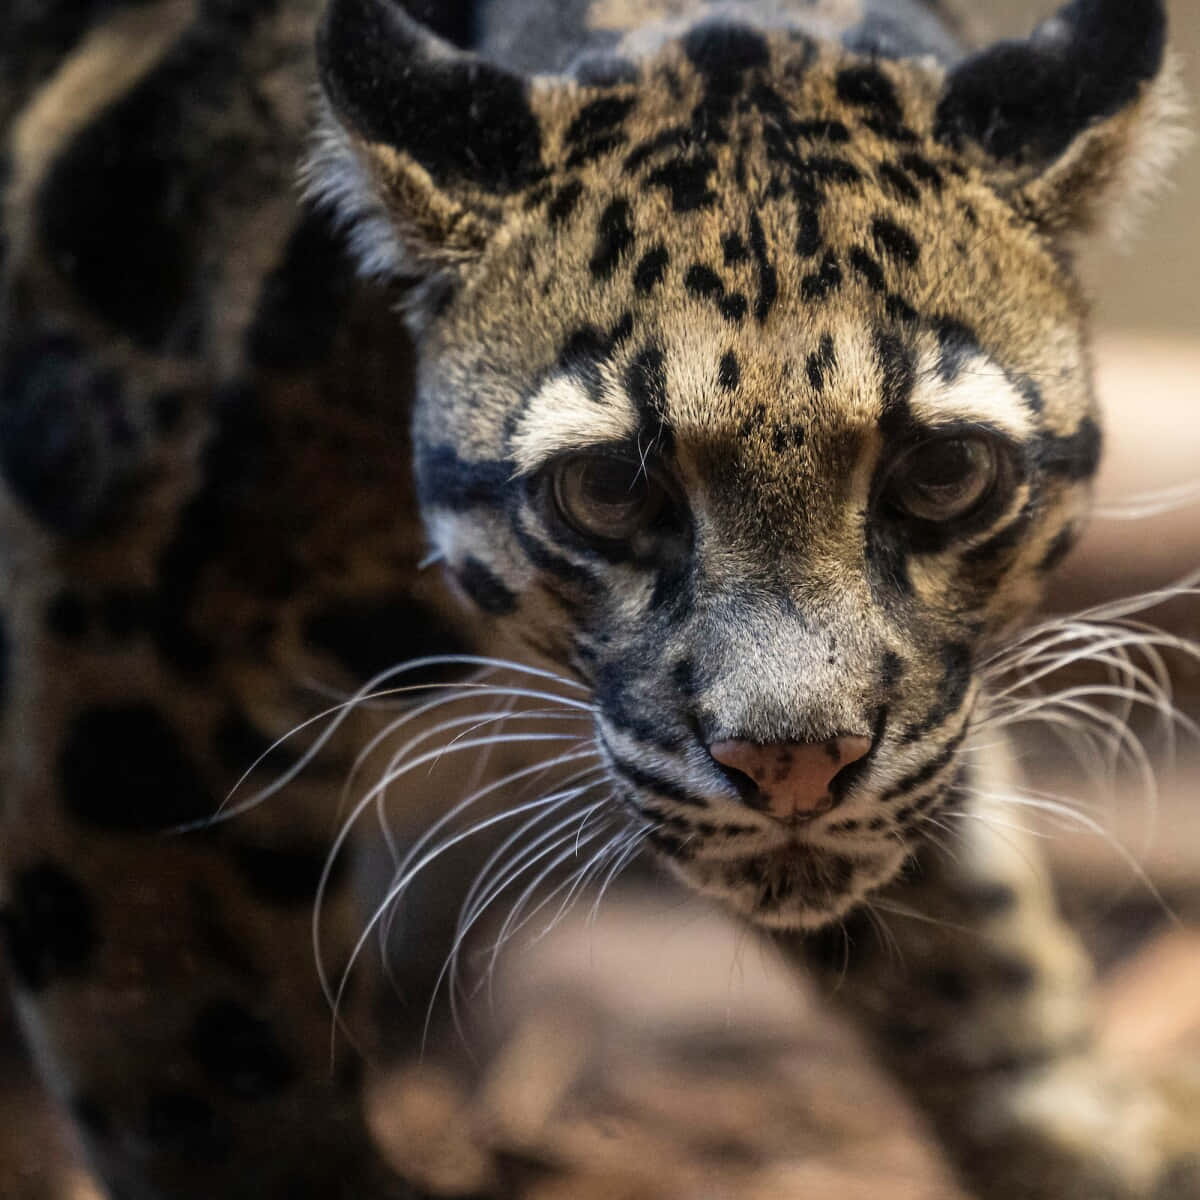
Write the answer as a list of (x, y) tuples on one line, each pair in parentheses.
[(755, 211)]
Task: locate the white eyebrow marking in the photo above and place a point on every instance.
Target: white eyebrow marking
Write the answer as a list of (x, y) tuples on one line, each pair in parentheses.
[(560, 416), (980, 391)]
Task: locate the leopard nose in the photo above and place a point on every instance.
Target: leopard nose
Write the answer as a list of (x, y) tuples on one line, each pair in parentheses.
[(793, 779)]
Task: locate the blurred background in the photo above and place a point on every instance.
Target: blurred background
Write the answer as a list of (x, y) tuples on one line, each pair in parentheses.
[(573, 1014)]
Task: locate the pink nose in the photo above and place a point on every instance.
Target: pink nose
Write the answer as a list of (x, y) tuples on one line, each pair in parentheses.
[(793, 777)]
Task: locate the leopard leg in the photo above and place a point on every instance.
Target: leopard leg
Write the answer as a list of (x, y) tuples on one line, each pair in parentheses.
[(978, 997)]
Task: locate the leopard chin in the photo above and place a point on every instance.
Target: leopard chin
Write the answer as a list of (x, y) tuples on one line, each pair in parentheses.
[(797, 886)]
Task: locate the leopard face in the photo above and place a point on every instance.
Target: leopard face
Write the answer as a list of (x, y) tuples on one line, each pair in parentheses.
[(754, 391)]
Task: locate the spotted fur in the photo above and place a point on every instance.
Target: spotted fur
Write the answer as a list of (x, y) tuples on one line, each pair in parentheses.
[(765, 248)]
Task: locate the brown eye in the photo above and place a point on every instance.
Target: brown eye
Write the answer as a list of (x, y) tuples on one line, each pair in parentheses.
[(606, 498), (946, 479)]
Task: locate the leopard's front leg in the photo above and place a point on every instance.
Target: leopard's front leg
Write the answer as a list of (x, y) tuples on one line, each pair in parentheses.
[(979, 997)]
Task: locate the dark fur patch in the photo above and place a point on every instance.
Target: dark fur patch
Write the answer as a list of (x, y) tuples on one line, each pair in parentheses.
[(461, 119), (868, 269), (820, 363), (1073, 457), (239, 1052), (180, 1123), (868, 87), (719, 47), (614, 236), (564, 202), (286, 875), (734, 306), (646, 384), (897, 179), (1027, 100), (61, 429), (687, 181), (123, 768), (704, 282), (67, 616), (239, 744), (734, 249), (1062, 545), (729, 374), (768, 279), (369, 634), (598, 118), (895, 242), (808, 240), (445, 480), (651, 269), (957, 345), (486, 588), (48, 925), (827, 279), (301, 303)]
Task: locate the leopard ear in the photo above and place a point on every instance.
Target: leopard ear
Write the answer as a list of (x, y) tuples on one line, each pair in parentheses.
[(422, 143), (1076, 122)]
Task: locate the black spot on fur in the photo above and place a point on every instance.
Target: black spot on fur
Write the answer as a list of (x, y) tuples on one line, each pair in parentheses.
[(239, 1052), (239, 744), (485, 588), (646, 384), (734, 306), (808, 240), (564, 202), (687, 181), (821, 169), (895, 242), (900, 310), (827, 279), (1027, 100), (123, 768), (704, 282), (729, 374), (891, 130), (597, 118), (768, 280), (651, 269), (922, 169), (784, 437), (180, 1123), (832, 132), (62, 426), (302, 299), (867, 268), (67, 616), (897, 179), (718, 47), (897, 377), (868, 87), (462, 119), (368, 634), (821, 362), (734, 249), (613, 239), (287, 874), (48, 926)]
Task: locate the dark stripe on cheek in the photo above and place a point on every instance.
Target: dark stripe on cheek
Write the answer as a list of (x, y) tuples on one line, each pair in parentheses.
[(446, 480), (652, 783), (1074, 457), (485, 588)]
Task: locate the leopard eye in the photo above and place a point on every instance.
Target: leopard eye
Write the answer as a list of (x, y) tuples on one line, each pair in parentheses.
[(605, 498), (945, 479)]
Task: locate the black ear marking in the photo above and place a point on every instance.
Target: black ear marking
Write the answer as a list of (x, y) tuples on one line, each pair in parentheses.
[(463, 119), (1026, 101)]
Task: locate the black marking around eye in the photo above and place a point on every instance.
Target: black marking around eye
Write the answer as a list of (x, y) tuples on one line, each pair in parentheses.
[(729, 374), (820, 363), (564, 202), (446, 480), (48, 926), (768, 280), (897, 179), (485, 587), (1073, 457), (646, 384), (1059, 548), (897, 378), (867, 268), (687, 181), (826, 279), (957, 345), (895, 242), (651, 269), (868, 87), (613, 238)]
